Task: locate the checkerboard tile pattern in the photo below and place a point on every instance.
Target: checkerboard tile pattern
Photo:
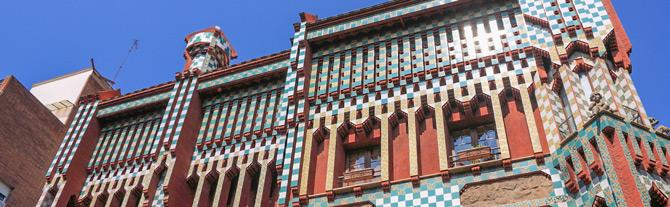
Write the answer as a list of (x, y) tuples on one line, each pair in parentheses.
[(456, 56), (436, 192), (243, 74), (133, 104), (376, 18)]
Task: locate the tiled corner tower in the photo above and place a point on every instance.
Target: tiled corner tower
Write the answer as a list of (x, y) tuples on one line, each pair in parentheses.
[(405, 103)]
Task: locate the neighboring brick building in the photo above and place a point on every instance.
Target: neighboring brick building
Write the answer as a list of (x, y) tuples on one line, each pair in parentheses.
[(406, 103), (29, 137)]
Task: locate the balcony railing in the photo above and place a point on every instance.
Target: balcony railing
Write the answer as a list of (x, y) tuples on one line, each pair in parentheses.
[(632, 115), (476, 155), (567, 127), (362, 174)]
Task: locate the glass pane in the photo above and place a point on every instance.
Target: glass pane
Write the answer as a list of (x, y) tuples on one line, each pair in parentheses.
[(375, 160), (352, 159), (462, 142), (586, 85), (488, 138), (359, 162)]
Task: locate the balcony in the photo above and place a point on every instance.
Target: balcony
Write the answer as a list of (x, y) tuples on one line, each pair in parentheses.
[(476, 155), (360, 175)]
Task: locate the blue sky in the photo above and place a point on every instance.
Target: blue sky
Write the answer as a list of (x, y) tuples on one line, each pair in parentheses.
[(44, 39)]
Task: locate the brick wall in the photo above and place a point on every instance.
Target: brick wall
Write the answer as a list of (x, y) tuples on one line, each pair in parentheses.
[(29, 138)]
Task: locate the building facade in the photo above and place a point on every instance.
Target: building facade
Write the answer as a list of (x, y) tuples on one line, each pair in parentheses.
[(406, 103), (29, 137)]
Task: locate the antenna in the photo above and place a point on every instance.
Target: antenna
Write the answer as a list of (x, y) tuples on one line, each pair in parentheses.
[(133, 47), (92, 63)]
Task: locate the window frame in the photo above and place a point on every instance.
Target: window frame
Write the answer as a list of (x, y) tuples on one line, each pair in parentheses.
[(367, 154), (5, 192), (477, 131)]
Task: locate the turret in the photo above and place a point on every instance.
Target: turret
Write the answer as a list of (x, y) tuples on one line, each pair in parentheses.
[(208, 49)]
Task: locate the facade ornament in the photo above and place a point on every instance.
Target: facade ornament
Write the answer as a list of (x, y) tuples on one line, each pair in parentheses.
[(661, 129), (598, 105)]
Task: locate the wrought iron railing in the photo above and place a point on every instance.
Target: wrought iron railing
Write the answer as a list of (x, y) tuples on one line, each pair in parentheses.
[(633, 115), (567, 127)]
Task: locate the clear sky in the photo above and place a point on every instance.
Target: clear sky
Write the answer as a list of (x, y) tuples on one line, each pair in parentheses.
[(43, 39)]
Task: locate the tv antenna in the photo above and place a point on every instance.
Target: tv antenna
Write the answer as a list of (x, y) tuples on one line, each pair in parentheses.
[(133, 48)]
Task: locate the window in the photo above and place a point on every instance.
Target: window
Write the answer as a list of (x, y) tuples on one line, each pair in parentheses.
[(475, 144), (585, 82), (363, 159), (463, 142), (4, 193), (362, 166), (567, 125)]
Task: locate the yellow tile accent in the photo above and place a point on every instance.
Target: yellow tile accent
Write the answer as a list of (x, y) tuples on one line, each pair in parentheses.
[(201, 182), (265, 164), (332, 148), (219, 183), (530, 119), (500, 127), (441, 136), (307, 152), (241, 178), (385, 143), (128, 188), (412, 136)]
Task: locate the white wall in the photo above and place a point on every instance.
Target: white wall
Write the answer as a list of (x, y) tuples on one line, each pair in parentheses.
[(67, 88)]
